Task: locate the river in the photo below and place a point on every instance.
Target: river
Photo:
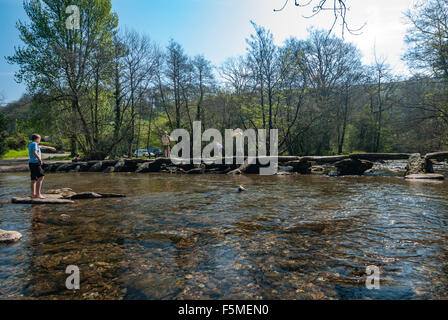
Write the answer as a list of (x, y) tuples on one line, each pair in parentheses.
[(196, 237)]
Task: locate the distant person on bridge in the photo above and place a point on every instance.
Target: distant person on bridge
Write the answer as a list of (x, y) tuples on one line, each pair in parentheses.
[(166, 141), (35, 164)]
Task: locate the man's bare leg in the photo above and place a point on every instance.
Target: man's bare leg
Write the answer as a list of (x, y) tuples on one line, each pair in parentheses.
[(39, 187), (33, 188)]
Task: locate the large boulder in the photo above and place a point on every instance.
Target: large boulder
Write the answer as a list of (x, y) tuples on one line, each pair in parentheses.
[(131, 165), (143, 167), (149, 166), (66, 167), (97, 167), (353, 167), (418, 165), (301, 166), (9, 236), (119, 165)]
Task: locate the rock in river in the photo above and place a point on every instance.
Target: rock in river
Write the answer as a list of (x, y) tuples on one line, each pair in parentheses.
[(96, 167), (9, 236), (426, 176), (353, 167), (418, 165)]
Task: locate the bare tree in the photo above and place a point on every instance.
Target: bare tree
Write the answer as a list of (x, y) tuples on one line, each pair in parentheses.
[(235, 72), (381, 90), (427, 38), (338, 8), (203, 81), (177, 67), (329, 61), (140, 64), (263, 59)]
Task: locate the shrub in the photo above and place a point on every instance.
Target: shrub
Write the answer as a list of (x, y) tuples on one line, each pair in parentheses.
[(17, 142)]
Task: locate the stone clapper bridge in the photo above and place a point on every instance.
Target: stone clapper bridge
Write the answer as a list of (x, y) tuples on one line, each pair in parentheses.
[(356, 164)]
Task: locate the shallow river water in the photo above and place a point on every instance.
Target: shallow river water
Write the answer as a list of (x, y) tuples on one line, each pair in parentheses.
[(196, 237)]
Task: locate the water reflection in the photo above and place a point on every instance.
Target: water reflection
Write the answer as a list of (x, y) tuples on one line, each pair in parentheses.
[(184, 237)]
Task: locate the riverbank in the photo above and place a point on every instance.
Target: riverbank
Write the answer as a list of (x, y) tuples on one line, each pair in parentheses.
[(21, 165)]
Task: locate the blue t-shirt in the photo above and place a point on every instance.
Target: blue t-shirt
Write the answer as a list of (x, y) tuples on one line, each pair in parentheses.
[(33, 146)]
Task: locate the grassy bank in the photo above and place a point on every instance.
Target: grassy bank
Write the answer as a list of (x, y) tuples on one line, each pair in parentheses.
[(23, 154), (15, 154)]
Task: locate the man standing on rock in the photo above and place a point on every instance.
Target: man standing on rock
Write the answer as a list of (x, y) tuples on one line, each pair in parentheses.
[(35, 164), (166, 141)]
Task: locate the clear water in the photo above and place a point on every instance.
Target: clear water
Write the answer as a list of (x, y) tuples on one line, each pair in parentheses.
[(196, 237)]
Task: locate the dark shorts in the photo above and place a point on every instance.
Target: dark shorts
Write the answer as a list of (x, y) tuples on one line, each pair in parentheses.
[(36, 171)]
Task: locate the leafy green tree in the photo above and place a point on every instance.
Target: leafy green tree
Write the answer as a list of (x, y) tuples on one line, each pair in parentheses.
[(57, 61)]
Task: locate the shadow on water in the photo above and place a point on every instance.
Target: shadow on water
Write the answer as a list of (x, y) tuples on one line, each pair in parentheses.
[(184, 237)]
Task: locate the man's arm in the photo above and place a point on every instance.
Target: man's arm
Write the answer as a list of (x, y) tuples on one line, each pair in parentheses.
[(47, 148)]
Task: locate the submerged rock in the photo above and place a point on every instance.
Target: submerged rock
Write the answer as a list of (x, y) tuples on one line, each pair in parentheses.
[(65, 217), (9, 236)]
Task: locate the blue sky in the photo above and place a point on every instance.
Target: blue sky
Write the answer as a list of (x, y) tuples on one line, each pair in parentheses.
[(218, 28)]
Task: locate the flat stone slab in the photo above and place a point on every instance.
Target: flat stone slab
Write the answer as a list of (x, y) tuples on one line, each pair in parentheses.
[(9, 236), (49, 200), (425, 176), (65, 196)]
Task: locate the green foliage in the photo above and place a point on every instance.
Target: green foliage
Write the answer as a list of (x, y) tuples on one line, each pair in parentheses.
[(17, 141), (3, 134)]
